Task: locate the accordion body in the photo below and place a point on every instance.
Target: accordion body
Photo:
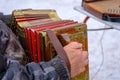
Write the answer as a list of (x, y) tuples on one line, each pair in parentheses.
[(30, 26)]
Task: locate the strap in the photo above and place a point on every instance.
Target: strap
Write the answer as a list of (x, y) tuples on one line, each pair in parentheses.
[(58, 47)]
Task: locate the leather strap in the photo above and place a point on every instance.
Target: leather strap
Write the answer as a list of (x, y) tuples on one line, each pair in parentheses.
[(58, 47)]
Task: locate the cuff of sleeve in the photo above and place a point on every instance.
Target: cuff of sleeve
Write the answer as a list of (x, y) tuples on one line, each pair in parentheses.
[(61, 68)]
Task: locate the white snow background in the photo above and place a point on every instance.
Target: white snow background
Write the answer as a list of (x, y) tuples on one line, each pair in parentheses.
[(104, 46)]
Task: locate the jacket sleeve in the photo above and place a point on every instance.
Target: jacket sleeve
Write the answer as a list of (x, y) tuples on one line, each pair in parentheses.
[(52, 70)]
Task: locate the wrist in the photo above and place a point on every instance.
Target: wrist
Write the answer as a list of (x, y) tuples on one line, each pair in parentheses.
[(61, 68)]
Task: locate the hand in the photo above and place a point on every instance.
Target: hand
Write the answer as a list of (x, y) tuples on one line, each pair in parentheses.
[(77, 57)]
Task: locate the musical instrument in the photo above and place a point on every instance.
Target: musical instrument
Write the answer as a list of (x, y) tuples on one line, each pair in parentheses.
[(108, 10), (40, 30)]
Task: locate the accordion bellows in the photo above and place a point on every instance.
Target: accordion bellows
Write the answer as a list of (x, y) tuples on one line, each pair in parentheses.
[(30, 25)]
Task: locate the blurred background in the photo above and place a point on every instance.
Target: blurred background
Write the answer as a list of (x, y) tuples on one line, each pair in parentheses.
[(104, 46)]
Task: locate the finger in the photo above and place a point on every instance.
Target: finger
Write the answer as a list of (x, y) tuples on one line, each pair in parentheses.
[(82, 70), (82, 64), (76, 45), (78, 65), (73, 74), (85, 63), (84, 55)]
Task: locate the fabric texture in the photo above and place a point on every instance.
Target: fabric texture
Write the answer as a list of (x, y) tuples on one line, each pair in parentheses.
[(53, 70), (10, 46)]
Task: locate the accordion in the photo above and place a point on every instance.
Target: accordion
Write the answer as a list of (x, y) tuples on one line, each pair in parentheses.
[(108, 10), (30, 25)]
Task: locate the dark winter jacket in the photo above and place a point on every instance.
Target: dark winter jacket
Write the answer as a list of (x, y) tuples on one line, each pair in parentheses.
[(53, 70)]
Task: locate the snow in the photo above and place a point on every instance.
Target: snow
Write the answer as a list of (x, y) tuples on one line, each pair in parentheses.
[(104, 46)]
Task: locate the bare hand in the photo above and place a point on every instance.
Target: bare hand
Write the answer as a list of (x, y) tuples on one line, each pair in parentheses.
[(77, 57)]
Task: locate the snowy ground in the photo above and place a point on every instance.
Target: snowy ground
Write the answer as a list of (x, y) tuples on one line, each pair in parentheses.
[(104, 46)]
